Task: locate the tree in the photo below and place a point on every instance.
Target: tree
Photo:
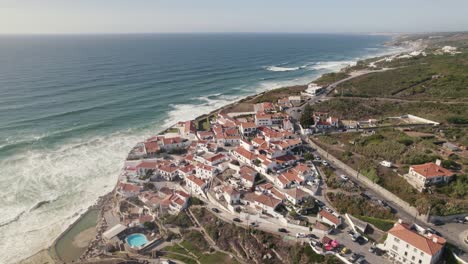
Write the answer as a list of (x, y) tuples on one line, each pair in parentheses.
[(306, 117), (149, 225), (308, 156)]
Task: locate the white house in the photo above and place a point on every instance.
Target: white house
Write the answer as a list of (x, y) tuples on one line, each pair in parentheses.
[(405, 244), (244, 155), (205, 171), (248, 128), (263, 119), (196, 185), (231, 195), (329, 218), (421, 176), (295, 195)]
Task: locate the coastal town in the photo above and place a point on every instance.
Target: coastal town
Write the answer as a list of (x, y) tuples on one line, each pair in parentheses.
[(273, 163)]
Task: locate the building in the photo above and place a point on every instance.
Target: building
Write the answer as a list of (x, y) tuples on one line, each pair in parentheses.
[(329, 218), (247, 176), (196, 185), (424, 175), (295, 195), (244, 155), (405, 244), (205, 171), (295, 100), (263, 119), (264, 202), (248, 128), (313, 89)]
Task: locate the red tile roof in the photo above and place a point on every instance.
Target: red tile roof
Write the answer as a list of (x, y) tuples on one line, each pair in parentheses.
[(245, 153), (196, 180), (425, 244), (431, 169), (331, 217)]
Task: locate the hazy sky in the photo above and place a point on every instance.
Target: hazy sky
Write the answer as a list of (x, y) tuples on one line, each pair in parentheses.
[(125, 16)]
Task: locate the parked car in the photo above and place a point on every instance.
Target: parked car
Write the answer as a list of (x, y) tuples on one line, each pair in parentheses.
[(325, 163), (361, 260), (282, 230), (319, 203), (216, 210), (237, 220), (353, 257), (300, 235), (344, 177), (312, 236), (437, 222), (345, 251), (355, 237), (460, 220)]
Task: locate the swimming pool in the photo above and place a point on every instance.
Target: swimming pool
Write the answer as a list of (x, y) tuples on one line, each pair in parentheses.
[(136, 240)]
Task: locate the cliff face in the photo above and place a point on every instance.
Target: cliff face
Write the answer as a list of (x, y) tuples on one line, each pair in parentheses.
[(256, 246)]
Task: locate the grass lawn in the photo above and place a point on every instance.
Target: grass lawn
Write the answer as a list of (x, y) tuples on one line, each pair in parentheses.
[(382, 224), (186, 260), (215, 258)]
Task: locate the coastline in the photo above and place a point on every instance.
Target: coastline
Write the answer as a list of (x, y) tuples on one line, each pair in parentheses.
[(100, 204)]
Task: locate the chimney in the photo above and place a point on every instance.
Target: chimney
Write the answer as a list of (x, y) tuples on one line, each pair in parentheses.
[(434, 239), (400, 221), (438, 162)]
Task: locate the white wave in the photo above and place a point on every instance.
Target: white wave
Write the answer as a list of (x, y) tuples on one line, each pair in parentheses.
[(70, 178), (283, 69), (332, 65), (182, 112)]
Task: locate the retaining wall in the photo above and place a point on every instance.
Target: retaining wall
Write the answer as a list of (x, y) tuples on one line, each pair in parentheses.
[(387, 195)]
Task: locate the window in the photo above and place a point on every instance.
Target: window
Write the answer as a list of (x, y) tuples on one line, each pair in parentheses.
[(415, 250), (396, 239), (413, 258), (406, 253), (407, 245), (422, 254), (420, 261), (395, 248)]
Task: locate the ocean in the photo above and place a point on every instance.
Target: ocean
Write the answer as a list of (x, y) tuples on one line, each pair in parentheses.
[(72, 106)]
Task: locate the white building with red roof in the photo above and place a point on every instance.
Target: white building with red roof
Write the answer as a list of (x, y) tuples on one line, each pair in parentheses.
[(204, 171), (146, 166), (328, 218), (263, 119), (248, 128), (288, 179), (266, 203), (405, 244), (424, 175), (244, 155), (295, 195), (186, 170), (168, 172), (128, 189), (196, 185), (247, 176), (212, 159)]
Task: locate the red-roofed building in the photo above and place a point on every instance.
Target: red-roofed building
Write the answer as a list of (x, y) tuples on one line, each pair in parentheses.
[(247, 176), (128, 189), (205, 171), (405, 244), (145, 167), (151, 148), (329, 218), (424, 175), (296, 195), (266, 203), (247, 128), (186, 170), (196, 185), (263, 119), (244, 155)]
